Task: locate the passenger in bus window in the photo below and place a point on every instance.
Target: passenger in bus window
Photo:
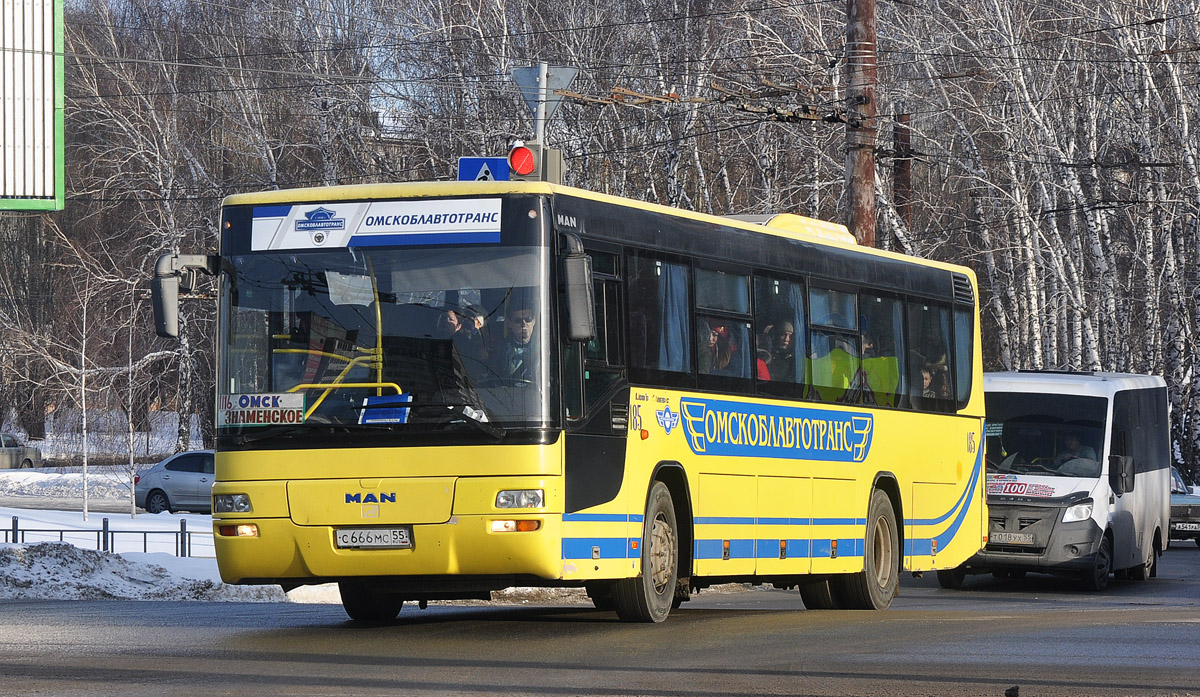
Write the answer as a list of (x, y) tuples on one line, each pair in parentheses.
[(464, 326), (716, 347), (783, 351), (516, 356)]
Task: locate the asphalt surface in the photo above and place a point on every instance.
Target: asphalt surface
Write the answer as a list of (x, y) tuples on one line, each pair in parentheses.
[(1040, 635)]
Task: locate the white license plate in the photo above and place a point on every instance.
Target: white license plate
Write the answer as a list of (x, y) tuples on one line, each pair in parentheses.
[(1011, 538), (373, 538), (1187, 526)]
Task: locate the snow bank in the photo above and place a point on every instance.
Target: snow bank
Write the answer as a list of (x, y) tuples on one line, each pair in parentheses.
[(62, 571), (102, 485)]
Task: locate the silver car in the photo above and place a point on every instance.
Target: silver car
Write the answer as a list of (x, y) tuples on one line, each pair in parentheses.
[(14, 454), (182, 482)]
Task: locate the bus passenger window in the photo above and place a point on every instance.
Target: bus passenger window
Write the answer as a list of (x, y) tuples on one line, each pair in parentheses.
[(929, 370), (781, 336), (882, 347), (659, 323)]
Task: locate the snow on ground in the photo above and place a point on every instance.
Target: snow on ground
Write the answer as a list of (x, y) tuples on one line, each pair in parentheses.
[(58, 559)]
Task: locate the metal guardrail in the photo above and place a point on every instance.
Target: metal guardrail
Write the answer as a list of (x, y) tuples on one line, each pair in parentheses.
[(106, 538)]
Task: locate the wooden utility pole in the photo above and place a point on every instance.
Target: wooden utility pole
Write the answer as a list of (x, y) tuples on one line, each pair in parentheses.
[(860, 121)]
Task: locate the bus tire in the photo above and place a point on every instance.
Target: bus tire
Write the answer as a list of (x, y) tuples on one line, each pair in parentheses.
[(952, 579), (601, 594), (819, 596), (365, 605), (874, 587), (1096, 578), (648, 597)]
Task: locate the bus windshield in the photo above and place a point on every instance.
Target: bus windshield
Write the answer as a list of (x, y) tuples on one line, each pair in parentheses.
[(1045, 434), (401, 340)]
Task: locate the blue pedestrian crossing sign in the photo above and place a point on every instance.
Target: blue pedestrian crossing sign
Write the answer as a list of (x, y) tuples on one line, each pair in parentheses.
[(482, 169)]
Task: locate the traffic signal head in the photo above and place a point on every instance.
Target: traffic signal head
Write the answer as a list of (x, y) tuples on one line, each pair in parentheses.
[(533, 162)]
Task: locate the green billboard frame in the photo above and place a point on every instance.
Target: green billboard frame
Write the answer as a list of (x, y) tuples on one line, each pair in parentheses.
[(58, 201)]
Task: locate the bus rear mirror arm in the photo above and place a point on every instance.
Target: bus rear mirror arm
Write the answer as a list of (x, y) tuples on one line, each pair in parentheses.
[(173, 272), (578, 294)]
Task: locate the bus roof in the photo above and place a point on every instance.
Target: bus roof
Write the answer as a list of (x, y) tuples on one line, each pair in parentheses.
[(1060, 382), (785, 225)]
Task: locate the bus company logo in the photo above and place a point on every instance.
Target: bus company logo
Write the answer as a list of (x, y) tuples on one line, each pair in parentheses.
[(667, 419), (370, 497), (762, 430), (566, 221), (319, 222)]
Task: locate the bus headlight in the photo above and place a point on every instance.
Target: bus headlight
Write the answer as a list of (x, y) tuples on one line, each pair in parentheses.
[(231, 503), (1078, 512), (521, 498)]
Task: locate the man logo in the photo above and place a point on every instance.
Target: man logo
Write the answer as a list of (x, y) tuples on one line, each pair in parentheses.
[(371, 498)]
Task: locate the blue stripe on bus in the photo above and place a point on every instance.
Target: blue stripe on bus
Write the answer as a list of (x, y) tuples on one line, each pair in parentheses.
[(734, 520), (271, 211), (601, 518), (581, 547)]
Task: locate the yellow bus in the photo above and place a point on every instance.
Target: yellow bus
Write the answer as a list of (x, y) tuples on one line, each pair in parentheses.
[(433, 391)]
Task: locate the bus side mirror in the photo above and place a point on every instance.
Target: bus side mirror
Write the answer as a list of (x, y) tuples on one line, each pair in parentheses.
[(169, 271), (578, 294), (1120, 473)]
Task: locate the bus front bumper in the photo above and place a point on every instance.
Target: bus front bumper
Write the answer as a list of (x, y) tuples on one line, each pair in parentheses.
[(280, 551)]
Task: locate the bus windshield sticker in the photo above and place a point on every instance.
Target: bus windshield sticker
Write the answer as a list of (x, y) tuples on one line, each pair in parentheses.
[(260, 409), (376, 223), (762, 430)]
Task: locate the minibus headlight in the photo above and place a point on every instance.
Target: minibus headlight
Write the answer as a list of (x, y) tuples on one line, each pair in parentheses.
[(1078, 512), (521, 498), (231, 503)]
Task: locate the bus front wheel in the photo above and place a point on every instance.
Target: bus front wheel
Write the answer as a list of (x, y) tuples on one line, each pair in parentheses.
[(648, 597), (363, 604), (874, 587)]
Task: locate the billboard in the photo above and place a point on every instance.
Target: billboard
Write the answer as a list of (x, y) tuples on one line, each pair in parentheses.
[(31, 105)]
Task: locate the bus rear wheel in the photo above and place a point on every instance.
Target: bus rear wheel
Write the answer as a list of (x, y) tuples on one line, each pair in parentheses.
[(874, 587), (649, 596), (363, 604), (819, 596)]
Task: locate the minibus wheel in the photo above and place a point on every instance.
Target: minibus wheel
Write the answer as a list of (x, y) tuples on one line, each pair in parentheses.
[(648, 597), (1096, 578)]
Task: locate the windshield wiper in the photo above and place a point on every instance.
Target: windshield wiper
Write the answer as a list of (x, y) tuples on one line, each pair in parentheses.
[(466, 414)]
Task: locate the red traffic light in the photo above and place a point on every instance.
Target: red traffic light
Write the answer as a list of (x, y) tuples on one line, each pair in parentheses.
[(521, 160)]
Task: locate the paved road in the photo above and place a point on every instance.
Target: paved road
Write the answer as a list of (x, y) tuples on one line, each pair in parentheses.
[(1039, 634)]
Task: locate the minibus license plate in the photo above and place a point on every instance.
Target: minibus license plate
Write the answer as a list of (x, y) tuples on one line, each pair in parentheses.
[(1187, 526), (373, 538), (1011, 538)]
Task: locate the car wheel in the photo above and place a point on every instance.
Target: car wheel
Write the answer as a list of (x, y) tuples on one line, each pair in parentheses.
[(157, 502)]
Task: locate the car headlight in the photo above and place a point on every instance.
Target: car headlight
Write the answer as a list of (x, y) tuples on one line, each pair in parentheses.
[(231, 503), (1078, 512), (521, 498)]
